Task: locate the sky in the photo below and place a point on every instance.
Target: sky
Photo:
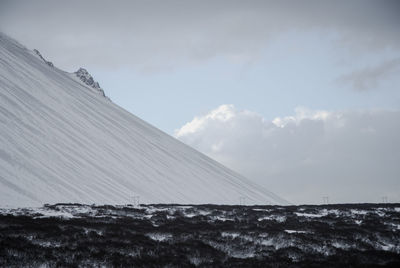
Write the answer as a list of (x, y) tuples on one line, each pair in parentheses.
[(302, 97)]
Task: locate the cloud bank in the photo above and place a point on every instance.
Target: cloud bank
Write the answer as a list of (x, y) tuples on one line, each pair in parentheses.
[(350, 156)]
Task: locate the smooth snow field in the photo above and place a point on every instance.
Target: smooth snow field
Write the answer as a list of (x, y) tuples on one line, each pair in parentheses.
[(62, 141)]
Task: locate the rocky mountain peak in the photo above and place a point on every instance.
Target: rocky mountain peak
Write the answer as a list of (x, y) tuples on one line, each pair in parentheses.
[(42, 58), (87, 79)]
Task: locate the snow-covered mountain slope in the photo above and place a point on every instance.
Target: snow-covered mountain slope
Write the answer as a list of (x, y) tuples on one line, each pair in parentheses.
[(61, 141)]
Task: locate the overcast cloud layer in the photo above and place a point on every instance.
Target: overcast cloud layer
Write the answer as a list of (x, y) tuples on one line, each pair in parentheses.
[(161, 34), (350, 156)]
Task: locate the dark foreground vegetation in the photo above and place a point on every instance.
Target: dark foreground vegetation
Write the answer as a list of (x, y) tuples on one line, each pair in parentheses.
[(73, 235)]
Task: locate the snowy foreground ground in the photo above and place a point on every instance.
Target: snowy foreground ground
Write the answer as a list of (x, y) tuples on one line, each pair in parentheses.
[(204, 236)]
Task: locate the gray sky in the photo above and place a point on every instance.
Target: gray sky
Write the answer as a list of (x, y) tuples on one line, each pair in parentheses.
[(155, 34), (170, 61)]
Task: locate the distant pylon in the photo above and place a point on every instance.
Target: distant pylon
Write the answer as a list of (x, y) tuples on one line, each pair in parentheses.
[(242, 200), (384, 199), (325, 200), (136, 200)]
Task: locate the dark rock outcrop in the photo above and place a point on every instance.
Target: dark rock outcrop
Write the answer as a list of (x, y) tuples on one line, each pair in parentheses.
[(43, 59), (86, 78)]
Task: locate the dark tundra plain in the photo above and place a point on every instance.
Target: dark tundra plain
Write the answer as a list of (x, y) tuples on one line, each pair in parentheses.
[(68, 235)]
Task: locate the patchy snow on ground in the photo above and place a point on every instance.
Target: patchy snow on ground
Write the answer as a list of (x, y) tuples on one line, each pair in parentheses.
[(273, 218), (160, 236), (311, 215), (203, 235), (295, 232)]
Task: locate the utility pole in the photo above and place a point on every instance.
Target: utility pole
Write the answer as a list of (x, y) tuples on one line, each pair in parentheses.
[(136, 200), (242, 200)]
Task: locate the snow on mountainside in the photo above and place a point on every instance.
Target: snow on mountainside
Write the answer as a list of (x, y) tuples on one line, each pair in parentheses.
[(60, 142)]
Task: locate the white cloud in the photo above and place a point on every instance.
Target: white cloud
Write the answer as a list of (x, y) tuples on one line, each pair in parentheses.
[(222, 114), (301, 114), (352, 156)]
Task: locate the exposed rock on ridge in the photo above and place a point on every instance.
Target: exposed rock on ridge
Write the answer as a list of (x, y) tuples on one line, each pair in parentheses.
[(43, 59), (86, 78), (82, 74)]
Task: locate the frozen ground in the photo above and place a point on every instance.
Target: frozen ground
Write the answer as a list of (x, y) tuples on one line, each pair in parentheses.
[(358, 235)]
